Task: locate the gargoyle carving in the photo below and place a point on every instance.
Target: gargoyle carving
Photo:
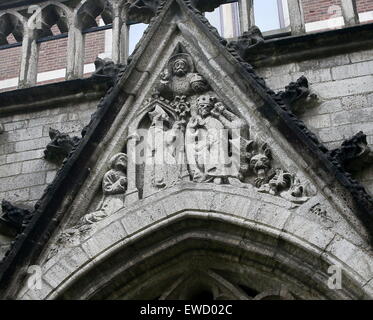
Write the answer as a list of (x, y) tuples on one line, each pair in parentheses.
[(207, 5), (353, 155), (106, 68), (250, 39), (142, 10), (60, 146), (259, 159), (14, 217), (297, 95)]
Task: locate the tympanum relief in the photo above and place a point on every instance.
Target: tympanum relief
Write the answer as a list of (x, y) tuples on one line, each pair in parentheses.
[(186, 133)]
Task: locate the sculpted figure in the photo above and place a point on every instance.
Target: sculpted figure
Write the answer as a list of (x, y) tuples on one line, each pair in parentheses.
[(162, 152), (179, 78), (114, 186), (208, 143)]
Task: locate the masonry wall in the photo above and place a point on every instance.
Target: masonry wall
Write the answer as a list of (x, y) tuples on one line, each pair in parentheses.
[(24, 173), (344, 85)]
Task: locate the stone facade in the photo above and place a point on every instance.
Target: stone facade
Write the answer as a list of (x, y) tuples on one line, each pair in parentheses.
[(344, 86), (267, 224)]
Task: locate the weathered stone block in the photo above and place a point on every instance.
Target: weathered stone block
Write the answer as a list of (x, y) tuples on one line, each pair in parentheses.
[(23, 156)]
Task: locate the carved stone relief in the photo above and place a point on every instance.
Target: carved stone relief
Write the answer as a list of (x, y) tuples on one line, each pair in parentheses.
[(186, 133), (353, 155), (297, 95), (114, 186), (60, 146)]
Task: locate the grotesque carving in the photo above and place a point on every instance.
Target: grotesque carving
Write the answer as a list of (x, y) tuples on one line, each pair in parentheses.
[(106, 68), (249, 39), (14, 217), (354, 154), (114, 186), (142, 10), (260, 162), (60, 146), (272, 181), (207, 5), (297, 95)]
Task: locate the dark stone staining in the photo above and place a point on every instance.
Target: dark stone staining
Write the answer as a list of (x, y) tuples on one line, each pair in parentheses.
[(60, 146), (353, 155), (245, 43), (13, 219), (297, 95)]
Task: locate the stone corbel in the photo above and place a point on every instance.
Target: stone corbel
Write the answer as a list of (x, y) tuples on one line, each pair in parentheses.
[(60, 146)]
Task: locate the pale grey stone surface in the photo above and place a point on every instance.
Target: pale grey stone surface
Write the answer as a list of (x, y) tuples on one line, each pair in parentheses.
[(345, 88)]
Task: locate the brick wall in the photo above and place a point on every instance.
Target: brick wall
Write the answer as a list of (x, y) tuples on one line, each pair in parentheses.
[(364, 5), (344, 85), (52, 56), (318, 10)]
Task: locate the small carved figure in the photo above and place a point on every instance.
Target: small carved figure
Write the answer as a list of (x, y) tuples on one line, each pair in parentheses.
[(260, 163), (106, 68), (250, 39), (297, 95), (142, 10), (60, 146), (114, 186), (208, 143), (163, 151), (179, 78), (207, 5)]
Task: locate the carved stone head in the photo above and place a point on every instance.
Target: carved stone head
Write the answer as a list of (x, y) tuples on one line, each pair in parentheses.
[(119, 162), (260, 160), (204, 105), (198, 84), (180, 64)]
